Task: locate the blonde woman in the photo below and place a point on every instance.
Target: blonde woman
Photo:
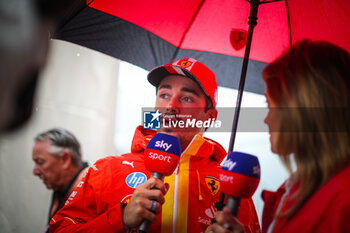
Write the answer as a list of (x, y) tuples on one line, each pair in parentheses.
[(308, 96)]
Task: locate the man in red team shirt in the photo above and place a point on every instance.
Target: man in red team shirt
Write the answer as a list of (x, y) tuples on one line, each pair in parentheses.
[(115, 195)]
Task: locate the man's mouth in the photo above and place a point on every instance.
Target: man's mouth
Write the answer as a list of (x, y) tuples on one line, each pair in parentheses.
[(44, 180)]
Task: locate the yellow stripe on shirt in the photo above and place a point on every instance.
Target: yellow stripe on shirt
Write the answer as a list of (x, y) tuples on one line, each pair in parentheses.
[(182, 204), (167, 208)]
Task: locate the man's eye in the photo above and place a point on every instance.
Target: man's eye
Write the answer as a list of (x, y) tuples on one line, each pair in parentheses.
[(163, 96), (187, 99), (40, 162)]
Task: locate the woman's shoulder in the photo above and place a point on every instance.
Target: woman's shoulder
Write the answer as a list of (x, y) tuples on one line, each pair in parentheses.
[(340, 181), (337, 189)]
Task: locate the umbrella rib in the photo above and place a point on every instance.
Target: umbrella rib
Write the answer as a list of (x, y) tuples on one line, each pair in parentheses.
[(187, 29), (89, 2), (288, 16), (289, 28), (77, 7)]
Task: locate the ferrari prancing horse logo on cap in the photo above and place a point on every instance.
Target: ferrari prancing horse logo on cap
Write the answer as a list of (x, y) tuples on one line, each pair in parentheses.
[(185, 64)]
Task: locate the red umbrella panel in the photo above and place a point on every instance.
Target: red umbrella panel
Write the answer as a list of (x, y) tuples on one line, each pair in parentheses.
[(207, 25)]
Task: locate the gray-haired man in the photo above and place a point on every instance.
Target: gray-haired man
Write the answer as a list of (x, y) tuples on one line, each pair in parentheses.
[(58, 163)]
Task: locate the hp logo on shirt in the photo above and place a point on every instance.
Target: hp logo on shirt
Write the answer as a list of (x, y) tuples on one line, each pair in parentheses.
[(134, 179)]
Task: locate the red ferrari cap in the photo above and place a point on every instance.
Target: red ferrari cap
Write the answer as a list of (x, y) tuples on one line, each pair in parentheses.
[(191, 68)]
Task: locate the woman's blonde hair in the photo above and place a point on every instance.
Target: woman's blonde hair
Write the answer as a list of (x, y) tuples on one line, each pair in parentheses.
[(310, 84)]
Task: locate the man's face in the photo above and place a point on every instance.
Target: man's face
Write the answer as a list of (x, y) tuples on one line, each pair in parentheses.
[(180, 98), (48, 167)]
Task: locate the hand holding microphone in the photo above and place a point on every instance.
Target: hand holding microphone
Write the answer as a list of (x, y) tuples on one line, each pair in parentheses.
[(162, 155)]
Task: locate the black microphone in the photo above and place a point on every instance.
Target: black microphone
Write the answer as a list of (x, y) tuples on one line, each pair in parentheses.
[(162, 155)]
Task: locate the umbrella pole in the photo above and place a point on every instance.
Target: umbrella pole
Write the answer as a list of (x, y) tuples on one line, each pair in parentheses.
[(254, 5)]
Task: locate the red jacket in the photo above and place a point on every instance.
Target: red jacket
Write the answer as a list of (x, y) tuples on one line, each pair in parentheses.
[(95, 205), (327, 210)]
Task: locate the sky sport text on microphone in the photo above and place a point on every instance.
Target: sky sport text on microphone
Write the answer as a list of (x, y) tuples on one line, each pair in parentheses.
[(162, 154), (239, 177)]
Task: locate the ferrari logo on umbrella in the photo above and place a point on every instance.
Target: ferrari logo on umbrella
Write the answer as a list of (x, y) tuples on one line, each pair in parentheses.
[(213, 184), (238, 38)]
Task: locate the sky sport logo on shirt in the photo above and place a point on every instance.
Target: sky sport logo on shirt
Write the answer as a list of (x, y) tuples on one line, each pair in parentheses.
[(154, 120)]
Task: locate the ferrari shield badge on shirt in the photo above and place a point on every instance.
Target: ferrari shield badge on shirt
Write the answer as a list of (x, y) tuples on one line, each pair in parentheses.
[(213, 184)]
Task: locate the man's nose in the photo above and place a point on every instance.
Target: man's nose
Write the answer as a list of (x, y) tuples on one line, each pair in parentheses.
[(173, 105), (36, 170)]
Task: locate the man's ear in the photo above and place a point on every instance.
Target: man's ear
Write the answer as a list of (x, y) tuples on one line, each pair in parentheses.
[(66, 159), (212, 113)]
